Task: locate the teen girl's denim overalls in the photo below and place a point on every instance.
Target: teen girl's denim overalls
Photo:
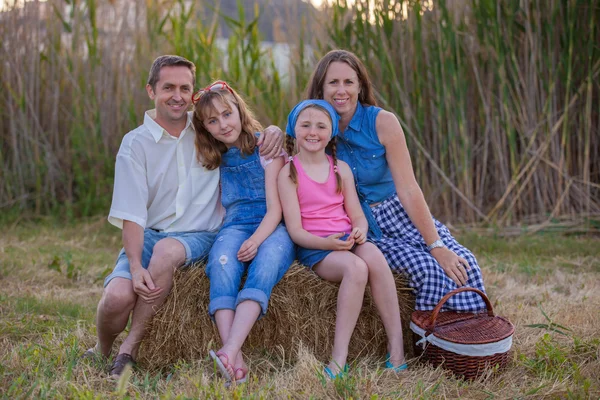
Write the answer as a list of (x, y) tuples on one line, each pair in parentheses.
[(243, 196)]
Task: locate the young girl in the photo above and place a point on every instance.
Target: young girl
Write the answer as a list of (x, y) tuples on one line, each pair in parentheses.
[(324, 217), (252, 237)]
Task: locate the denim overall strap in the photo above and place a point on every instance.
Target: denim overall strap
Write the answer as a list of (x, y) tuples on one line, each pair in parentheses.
[(242, 188)]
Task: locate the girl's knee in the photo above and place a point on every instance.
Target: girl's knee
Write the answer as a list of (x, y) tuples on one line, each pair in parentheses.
[(357, 272)]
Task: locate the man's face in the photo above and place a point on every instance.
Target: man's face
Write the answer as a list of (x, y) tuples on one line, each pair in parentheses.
[(172, 94)]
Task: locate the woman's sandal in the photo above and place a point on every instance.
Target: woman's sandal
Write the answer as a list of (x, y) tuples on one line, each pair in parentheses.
[(225, 369)]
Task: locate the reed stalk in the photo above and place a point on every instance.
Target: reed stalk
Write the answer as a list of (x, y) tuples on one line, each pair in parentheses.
[(499, 100)]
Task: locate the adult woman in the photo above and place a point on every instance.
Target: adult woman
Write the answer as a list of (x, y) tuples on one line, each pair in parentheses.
[(372, 142)]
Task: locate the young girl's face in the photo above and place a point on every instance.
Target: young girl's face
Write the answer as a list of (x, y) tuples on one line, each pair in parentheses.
[(313, 130), (224, 123)]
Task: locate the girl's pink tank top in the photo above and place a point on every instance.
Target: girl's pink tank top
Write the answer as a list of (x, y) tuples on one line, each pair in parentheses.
[(321, 207)]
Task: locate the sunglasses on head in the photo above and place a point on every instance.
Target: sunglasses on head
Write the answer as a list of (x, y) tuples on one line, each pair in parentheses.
[(215, 87)]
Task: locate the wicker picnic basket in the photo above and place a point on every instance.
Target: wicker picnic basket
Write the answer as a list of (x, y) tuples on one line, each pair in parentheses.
[(464, 343)]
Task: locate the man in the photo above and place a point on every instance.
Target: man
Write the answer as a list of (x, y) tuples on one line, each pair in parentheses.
[(167, 205)]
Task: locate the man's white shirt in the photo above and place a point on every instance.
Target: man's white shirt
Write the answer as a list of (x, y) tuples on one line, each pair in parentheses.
[(159, 183)]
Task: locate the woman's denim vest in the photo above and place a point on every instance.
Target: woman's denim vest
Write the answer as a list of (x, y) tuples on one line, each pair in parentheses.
[(360, 148), (242, 188)]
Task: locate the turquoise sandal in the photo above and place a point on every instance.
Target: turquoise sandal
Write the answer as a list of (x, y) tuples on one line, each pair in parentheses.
[(390, 366), (328, 373)]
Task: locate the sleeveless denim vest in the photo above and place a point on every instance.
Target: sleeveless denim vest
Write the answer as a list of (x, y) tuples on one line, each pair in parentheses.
[(359, 146)]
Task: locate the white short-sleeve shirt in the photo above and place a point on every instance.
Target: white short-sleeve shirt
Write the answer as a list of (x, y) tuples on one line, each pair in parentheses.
[(159, 183)]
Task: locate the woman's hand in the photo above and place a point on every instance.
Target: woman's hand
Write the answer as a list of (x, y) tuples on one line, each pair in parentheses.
[(453, 265), (359, 236), (334, 243), (247, 250), (270, 142)]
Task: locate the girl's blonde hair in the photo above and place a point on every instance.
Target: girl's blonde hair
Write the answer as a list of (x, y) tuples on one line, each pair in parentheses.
[(209, 149), (290, 144)]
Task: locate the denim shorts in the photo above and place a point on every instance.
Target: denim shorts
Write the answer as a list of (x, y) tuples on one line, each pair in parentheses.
[(311, 257), (197, 246)]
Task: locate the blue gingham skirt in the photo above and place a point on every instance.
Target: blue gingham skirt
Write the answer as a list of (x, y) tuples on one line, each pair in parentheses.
[(406, 252)]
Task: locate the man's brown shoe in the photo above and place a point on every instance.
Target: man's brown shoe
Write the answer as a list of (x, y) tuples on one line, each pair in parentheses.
[(121, 361)]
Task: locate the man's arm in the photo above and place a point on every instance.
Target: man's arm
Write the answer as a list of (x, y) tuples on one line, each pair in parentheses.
[(133, 242)]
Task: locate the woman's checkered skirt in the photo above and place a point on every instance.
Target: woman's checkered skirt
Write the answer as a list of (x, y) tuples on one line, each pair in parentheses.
[(406, 252)]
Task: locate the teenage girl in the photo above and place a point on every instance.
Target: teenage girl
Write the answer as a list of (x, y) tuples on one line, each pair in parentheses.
[(324, 218), (252, 237)]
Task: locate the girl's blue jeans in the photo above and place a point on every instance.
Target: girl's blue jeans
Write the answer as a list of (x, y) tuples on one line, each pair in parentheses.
[(225, 271)]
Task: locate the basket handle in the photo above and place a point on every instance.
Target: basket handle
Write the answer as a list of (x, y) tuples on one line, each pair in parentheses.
[(451, 293)]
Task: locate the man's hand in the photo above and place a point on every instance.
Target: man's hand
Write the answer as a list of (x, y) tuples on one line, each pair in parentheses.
[(454, 266), (247, 250), (334, 242), (270, 142), (143, 285), (359, 236)]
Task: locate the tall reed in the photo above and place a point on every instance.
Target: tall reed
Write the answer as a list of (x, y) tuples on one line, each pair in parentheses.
[(499, 100), (73, 76)]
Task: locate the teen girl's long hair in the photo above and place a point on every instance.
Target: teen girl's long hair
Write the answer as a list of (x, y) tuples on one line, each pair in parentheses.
[(210, 150)]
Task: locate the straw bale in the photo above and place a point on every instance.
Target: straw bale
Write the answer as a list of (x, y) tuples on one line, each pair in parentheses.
[(302, 309)]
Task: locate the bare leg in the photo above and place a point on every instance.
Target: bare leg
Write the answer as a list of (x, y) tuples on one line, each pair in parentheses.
[(167, 255), (385, 296), (118, 299), (352, 272), (224, 320), (246, 314)]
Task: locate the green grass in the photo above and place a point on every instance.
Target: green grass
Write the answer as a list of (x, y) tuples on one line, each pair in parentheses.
[(536, 255)]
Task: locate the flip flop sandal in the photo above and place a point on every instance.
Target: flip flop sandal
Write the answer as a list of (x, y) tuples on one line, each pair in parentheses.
[(121, 361), (224, 369), (238, 381)]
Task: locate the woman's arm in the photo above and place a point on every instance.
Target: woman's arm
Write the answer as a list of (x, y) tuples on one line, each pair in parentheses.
[(271, 219), (270, 142), (391, 136), (360, 226), (293, 219)]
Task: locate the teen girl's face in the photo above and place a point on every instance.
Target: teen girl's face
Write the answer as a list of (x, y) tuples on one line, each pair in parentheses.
[(224, 123), (313, 130), (341, 88)]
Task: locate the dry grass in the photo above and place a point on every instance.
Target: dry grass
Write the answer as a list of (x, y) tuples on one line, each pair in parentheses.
[(47, 320)]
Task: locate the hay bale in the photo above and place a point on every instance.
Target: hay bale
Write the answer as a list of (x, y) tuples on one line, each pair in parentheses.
[(301, 310)]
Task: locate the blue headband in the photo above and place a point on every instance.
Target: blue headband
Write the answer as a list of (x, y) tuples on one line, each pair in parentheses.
[(293, 117)]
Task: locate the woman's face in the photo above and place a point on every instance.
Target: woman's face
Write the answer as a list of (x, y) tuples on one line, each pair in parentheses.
[(341, 88)]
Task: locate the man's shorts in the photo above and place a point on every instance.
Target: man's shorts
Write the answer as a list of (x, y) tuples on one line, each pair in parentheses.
[(197, 246)]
